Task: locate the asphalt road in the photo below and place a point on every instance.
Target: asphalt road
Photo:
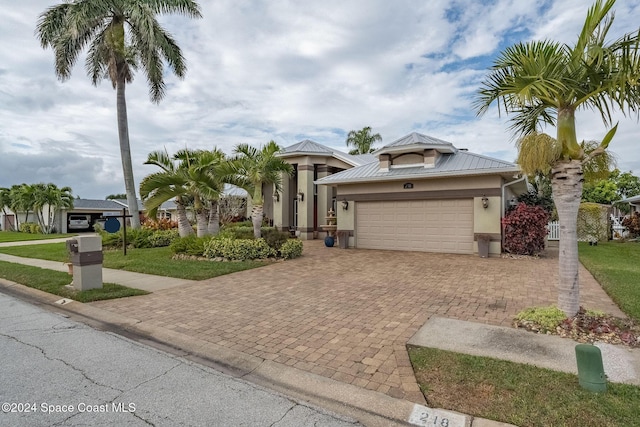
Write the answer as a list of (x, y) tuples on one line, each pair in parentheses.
[(56, 372)]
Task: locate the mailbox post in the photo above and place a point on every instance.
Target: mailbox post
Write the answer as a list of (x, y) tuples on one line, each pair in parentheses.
[(86, 257)]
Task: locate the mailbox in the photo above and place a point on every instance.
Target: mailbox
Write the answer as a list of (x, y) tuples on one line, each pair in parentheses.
[(86, 256), (72, 246)]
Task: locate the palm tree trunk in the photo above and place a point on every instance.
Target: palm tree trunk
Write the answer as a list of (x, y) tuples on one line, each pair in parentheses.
[(566, 183), (201, 222), (214, 218), (125, 152), (256, 217), (184, 226)]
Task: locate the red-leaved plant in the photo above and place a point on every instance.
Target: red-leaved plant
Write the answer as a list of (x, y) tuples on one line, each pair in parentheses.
[(525, 229)]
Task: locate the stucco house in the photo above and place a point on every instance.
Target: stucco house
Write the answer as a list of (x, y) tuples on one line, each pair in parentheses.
[(417, 193)]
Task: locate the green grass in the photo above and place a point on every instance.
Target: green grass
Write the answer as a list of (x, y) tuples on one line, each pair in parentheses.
[(54, 282), (616, 266), (150, 261), (14, 236), (519, 394)]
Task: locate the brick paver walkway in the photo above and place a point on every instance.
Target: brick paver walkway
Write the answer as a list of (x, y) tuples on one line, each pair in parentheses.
[(347, 314)]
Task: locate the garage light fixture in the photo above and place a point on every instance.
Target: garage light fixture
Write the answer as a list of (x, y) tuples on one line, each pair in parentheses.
[(485, 201), (276, 197), (300, 196), (345, 205)]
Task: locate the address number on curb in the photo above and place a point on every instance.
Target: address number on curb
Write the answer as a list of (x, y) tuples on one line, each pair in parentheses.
[(428, 417)]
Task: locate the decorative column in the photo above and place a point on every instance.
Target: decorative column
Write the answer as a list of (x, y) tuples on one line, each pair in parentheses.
[(305, 199), (281, 204)]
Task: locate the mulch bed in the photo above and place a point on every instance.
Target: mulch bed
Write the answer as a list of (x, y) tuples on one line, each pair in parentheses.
[(589, 328)]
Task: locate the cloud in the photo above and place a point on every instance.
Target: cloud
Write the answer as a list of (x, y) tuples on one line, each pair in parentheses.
[(281, 70)]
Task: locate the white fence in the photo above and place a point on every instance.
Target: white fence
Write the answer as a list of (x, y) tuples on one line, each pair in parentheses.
[(554, 230)]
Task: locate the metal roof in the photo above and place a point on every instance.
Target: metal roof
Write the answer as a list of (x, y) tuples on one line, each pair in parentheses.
[(311, 148), (415, 138), (458, 164)]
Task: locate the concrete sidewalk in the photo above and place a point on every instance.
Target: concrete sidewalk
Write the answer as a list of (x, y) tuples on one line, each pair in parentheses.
[(621, 364), (146, 282)]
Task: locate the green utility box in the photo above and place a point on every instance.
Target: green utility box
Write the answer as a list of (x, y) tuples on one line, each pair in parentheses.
[(590, 369)]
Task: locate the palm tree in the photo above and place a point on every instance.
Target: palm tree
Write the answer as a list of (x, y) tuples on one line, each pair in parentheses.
[(53, 198), (251, 168), (170, 183), (5, 202), (22, 200), (362, 140), (190, 177), (120, 35), (204, 170), (545, 82)]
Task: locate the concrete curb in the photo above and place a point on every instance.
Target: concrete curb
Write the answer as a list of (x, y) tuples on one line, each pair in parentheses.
[(369, 407)]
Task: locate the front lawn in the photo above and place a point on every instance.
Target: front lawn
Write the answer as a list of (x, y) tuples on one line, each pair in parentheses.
[(54, 282), (14, 236), (518, 394), (616, 266), (156, 261)]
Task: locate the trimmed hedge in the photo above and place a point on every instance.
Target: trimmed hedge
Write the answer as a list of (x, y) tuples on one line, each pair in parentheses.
[(238, 249), (290, 249)]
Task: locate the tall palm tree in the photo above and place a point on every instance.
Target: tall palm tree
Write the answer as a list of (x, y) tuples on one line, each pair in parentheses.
[(120, 35), (251, 168), (362, 140), (545, 82)]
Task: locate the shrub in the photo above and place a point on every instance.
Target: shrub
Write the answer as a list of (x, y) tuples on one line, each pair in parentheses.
[(238, 249), (548, 318), (242, 231), (160, 224), (189, 245), (525, 229), (30, 227), (163, 237), (139, 238), (275, 238), (290, 249), (632, 223)]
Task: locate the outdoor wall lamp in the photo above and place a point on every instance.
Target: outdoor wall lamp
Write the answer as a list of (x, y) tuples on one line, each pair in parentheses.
[(345, 204), (300, 196), (485, 201), (276, 197)]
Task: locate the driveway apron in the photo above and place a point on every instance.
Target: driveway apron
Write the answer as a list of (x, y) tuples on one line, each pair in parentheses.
[(348, 314)]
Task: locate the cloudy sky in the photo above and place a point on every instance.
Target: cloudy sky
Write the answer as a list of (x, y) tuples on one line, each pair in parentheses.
[(282, 70)]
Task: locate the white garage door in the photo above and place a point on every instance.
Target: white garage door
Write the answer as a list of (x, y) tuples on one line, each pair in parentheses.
[(416, 225)]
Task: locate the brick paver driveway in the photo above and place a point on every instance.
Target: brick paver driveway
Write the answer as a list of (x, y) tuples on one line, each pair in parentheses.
[(347, 314)]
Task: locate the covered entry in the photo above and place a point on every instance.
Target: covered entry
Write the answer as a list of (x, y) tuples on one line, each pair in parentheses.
[(443, 225)]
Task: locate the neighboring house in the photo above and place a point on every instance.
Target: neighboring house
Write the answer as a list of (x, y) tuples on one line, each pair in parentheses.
[(168, 209), (93, 210), (417, 193), (634, 203)]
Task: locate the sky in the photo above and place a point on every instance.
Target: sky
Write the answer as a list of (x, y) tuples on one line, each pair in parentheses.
[(285, 71)]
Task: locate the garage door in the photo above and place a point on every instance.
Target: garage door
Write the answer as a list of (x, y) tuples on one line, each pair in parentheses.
[(416, 225)]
